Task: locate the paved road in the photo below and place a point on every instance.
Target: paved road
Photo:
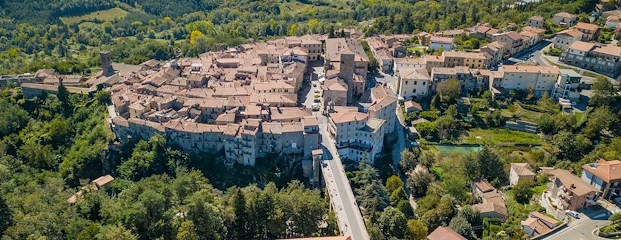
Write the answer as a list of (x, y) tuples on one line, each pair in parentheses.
[(555, 60), (354, 223), (581, 229), (530, 55), (111, 111), (342, 198)]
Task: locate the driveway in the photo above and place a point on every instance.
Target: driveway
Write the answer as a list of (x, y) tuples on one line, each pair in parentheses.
[(590, 219)]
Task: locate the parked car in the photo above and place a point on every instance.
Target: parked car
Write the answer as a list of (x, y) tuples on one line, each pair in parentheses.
[(316, 90), (315, 107), (573, 214), (317, 100)]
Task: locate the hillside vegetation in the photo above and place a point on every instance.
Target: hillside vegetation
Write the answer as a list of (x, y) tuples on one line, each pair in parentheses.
[(67, 34)]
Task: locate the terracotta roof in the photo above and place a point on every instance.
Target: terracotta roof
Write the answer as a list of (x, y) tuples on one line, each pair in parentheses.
[(450, 71), (120, 121), (309, 121), (536, 18), (540, 223), (536, 225), (587, 26), (102, 181), (441, 40), (432, 58), (544, 218), (484, 186), (534, 29), (564, 15), (609, 50), (444, 233), (412, 104), (414, 73), (335, 85), (530, 69), (347, 117), (522, 169), (458, 54), (529, 34), (571, 32), (513, 35), (500, 209), (408, 60), (609, 171), (382, 97), (573, 182), (582, 46)]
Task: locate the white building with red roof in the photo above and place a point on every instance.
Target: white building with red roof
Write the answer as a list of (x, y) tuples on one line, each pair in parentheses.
[(605, 176)]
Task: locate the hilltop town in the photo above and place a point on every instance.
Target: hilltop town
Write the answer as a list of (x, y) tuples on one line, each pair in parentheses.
[(483, 132)]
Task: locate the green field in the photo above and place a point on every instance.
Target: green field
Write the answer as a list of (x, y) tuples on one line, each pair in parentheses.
[(499, 137), (522, 114), (102, 16)]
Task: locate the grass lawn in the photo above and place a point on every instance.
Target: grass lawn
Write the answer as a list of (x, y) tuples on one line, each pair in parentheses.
[(104, 15), (581, 117), (500, 137), (523, 114)]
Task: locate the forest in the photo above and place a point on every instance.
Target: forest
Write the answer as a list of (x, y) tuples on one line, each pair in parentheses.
[(66, 35), (52, 146)]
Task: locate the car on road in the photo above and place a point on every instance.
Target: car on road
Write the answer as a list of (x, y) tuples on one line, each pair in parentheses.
[(316, 90), (573, 214), (314, 84), (316, 100), (315, 107)]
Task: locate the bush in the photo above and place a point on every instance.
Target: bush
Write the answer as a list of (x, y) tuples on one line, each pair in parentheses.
[(615, 217), (554, 52)]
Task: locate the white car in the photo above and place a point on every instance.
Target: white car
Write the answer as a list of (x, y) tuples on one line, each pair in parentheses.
[(573, 214), (315, 107), (316, 90)]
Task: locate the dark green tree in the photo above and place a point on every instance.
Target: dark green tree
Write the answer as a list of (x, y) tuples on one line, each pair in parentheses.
[(462, 227), (392, 223), (6, 215), (523, 191)]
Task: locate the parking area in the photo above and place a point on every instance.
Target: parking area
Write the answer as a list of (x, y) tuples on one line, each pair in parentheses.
[(311, 92)]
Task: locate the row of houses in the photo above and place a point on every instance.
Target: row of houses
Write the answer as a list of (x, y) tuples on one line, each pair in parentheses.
[(413, 83), (604, 59), (241, 142)]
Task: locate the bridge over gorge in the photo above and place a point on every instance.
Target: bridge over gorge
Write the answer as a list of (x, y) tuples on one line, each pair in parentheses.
[(337, 185)]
